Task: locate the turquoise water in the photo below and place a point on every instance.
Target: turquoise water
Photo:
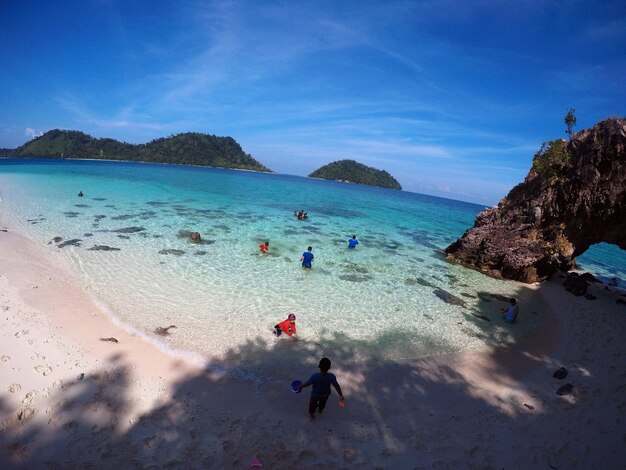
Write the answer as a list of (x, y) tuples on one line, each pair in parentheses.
[(386, 294)]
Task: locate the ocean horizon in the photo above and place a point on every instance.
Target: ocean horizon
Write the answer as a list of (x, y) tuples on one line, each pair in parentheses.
[(395, 296)]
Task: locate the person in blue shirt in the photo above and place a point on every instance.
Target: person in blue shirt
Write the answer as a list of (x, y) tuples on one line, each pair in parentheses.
[(321, 382), (353, 242), (307, 258)]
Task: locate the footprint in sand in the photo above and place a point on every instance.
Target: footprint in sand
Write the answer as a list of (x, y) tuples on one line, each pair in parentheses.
[(21, 333), (5, 358), (14, 388), (44, 370), (29, 397)]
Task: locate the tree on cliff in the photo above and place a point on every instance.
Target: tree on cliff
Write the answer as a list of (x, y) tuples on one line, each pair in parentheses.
[(570, 121)]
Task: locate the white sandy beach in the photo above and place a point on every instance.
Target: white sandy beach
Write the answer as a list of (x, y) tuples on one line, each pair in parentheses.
[(69, 399)]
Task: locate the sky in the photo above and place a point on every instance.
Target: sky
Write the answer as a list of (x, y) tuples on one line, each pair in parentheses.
[(453, 98)]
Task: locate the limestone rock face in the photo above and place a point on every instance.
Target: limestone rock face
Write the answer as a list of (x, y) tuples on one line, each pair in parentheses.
[(555, 214)]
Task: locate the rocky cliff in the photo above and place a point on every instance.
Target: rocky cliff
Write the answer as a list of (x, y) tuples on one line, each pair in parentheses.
[(573, 197)]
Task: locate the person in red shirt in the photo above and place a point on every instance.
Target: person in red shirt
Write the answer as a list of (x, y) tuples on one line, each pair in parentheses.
[(288, 326), (265, 247)]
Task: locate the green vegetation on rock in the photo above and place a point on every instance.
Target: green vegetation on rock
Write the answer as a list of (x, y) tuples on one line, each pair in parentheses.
[(183, 149), (551, 160), (355, 172)]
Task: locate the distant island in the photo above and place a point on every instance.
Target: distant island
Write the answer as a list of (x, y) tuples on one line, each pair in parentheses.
[(355, 172), (183, 149)]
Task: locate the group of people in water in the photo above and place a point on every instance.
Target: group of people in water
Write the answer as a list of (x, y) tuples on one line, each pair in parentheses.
[(301, 215), (307, 257)]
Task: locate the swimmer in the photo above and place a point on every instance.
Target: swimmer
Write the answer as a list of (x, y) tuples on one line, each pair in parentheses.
[(80, 194), (265, 247)]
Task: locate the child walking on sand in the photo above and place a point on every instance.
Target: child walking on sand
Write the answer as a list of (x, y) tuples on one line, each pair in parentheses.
[(321, 382)]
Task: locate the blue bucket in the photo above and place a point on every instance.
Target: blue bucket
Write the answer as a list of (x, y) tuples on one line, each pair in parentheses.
[(294, 386)]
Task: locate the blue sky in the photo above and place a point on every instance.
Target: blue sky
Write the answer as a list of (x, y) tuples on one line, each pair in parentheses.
[(453, 98)]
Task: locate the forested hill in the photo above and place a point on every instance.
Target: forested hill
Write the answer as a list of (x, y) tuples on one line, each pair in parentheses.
[(183, 149), (355, 172)]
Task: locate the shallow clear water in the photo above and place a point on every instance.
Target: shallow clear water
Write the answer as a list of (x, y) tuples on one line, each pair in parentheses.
[(386, 295)]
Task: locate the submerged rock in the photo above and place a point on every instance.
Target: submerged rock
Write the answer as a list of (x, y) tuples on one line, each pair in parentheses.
[(449, 298), (103, 248), (72, 242), (161, 331), (171, 251), (418, 280), (128, 230), (573, 197)]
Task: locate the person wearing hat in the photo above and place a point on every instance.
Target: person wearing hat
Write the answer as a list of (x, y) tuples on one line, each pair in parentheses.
[(288, 326)]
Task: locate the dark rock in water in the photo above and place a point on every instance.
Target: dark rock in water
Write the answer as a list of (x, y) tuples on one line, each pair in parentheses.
[(111, 339), (56, 240), (573, 197), (575, 284), (499, 297), (589, 296), (122, 217), (200, 253), (171, 251), (71, 214), (103, 248), (449, 298), (99, 217), (81, 205), (99, 198), (420, 281), (128, 230), (124, 237), (163, 331), (565, 389), (72, 242), (560, 373), (355, 278), (469, 296)]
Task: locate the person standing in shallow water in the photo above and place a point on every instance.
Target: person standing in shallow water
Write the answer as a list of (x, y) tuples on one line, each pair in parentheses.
[(307, 258), (265, 247), (353, 242)]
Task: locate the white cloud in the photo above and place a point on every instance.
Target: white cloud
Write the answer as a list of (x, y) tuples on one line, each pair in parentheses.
[(32, 133)]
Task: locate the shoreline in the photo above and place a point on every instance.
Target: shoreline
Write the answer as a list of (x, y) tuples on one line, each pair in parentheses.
[(136, 403)]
